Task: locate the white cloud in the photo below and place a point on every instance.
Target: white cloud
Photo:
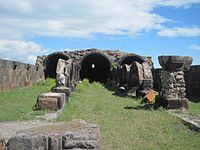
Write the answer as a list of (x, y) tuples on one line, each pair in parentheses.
[(176, 32), (25, 51), (81, 18), (179, 3), (23, 19), (195, 47)]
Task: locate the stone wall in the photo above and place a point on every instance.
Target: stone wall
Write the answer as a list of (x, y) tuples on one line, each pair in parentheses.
[(192, 79), (15, 75), (76, 134)]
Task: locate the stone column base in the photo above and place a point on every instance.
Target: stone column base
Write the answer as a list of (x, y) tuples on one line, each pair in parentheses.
[(177, 104)]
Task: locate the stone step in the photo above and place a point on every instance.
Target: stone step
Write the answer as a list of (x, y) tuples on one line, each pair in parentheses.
[(63, 89), (193, 122), (51, 101)]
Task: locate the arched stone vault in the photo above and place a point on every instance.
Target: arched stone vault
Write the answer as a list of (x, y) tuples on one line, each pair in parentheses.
[(96, 67), (51, 63), (130, 58)]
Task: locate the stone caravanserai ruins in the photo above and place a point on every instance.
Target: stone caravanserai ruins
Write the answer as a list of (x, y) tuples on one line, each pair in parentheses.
[(174, 83)]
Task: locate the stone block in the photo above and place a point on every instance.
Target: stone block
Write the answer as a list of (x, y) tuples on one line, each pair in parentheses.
[(51, 101), (175, 63), (56, 136), (185, 103), (2, 144), (28, 142), (62, 89), (174, 104), (72, 88)]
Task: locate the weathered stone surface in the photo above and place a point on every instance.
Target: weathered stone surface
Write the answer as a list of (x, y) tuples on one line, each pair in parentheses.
[(136, 75), (60, 73), (62, 89), (172, 80), (15, 75), (73, 135), (52, 101), (193, 122), (125, 75), (67, 73), (192, 78), (175, 63), (2, 144), (187, 63), (148, 76), (174, 103), (173, 88), (173, 84), (26, 142), (172, 63)]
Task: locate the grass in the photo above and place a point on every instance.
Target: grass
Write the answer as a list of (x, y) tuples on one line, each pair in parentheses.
[(121, 126), (126, 129), (194, 108), (18, 104)]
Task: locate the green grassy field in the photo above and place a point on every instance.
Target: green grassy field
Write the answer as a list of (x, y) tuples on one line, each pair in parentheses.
[(123, 127), (194, 108), (18, 104)]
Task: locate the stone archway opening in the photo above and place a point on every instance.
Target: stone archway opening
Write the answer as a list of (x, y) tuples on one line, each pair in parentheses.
[(129, 59), (95, 67), (51, 64)]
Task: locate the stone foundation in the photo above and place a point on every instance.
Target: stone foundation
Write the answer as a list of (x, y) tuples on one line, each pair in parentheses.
[(57, 136)]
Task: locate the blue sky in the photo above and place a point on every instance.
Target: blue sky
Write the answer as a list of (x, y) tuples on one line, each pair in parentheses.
[(149, 28)]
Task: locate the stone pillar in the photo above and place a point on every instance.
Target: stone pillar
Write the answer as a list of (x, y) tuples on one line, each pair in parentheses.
[(172, 80)]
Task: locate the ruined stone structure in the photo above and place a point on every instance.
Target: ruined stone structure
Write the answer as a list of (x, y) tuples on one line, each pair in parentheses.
[(192, 78), (93, 64), (15, 75), (172, 80), (192, 82), (130, 71), (76, 134), (127, 70)]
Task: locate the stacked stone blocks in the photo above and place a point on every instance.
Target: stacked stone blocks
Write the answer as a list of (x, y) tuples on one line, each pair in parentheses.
[(172, 80), (60, 136)]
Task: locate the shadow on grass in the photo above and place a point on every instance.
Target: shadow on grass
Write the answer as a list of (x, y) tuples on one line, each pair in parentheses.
[(143, 107), (123, 94), (194, 99)]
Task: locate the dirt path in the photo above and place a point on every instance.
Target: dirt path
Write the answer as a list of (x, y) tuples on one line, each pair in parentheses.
[(9, 129)]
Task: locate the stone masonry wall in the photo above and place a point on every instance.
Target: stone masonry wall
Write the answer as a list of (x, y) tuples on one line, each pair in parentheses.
[(192, 80), (74, 135), (15, 75), (173, 84)]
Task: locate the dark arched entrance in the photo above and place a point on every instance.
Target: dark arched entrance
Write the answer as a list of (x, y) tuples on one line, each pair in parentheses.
[(129, 59), (95, 67), (51, 63)]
